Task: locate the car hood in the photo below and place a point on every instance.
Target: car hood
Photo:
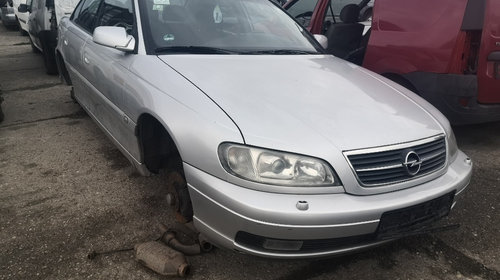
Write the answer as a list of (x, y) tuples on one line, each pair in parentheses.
[(301, 103)]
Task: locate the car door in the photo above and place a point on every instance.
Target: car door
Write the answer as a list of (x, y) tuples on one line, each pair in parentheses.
[(107, 70), (34, 22), (488, 73), (79, 31)]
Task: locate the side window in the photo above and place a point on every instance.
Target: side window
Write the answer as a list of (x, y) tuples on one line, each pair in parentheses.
[(88, 14), (34, 5), (302, 10), (117, 13), (76, 11)]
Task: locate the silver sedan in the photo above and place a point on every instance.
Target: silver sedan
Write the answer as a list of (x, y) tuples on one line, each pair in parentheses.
[(274, 148)]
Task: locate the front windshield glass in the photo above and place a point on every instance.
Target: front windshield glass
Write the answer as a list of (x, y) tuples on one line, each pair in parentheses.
[(222, 27)]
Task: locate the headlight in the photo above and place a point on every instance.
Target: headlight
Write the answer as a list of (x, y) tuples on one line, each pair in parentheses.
[(276, 168), (452, 143)]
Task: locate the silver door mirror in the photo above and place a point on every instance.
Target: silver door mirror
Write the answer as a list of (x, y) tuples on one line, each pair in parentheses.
[(322, 40), (114, 37)]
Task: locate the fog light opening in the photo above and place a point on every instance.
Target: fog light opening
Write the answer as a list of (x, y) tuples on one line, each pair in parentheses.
[(282, 245)]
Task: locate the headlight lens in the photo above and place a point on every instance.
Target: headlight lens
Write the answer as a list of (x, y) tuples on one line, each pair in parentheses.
[(277, 168)]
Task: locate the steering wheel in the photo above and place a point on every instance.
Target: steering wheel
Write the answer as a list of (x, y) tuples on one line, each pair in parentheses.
[(128, 27), (304, 14)]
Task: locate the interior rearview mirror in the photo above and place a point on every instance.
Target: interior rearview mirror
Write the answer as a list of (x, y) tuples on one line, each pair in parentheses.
[(114, 37)]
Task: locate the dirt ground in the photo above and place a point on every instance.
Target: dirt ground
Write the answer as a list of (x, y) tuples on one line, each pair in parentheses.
[(65, 190)]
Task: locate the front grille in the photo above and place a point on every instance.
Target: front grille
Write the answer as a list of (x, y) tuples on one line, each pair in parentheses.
[(374, 167)]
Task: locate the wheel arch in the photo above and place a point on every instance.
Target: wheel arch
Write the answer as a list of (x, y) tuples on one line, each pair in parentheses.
[(160, 152), (157, 147)]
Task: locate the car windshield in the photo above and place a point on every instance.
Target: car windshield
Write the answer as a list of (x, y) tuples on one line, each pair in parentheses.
[(222, 27)]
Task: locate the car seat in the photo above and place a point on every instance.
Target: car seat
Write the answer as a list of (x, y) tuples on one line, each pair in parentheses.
[(346, 36)]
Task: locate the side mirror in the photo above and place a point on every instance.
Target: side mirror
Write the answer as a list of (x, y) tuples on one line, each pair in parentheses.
[(322, 40), (23, 8), (114, 37)]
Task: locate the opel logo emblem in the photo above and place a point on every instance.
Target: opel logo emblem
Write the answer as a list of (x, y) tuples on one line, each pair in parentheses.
[(412, 163)]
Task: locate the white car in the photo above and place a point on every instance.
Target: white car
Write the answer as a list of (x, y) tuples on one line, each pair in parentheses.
[(279, 149), (43, 19), (22, 18)]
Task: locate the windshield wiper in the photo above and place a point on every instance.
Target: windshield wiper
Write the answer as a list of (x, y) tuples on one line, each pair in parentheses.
[(193, 50), (280, 51)]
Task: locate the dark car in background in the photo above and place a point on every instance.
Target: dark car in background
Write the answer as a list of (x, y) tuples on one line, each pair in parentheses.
[(8, 16)]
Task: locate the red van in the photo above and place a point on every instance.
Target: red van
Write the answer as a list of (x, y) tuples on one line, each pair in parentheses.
[(447, 51)]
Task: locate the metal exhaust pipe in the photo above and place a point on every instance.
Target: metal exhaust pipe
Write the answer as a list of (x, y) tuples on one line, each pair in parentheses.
[(161, 259)]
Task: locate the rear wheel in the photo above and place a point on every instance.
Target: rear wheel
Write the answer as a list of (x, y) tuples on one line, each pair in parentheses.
[(49, 60), (50, 64)]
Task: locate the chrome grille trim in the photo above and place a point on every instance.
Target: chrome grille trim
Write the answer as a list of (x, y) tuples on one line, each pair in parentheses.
[(382, 166), (379, 168)]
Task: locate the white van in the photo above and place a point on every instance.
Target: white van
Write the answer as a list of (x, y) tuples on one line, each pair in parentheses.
[(22, 18), (42, 26)]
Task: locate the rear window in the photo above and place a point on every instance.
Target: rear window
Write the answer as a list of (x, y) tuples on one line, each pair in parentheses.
[(474, 15)]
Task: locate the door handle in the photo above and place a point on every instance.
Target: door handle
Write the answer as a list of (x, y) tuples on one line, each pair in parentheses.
[(494, 56), (86, 60)]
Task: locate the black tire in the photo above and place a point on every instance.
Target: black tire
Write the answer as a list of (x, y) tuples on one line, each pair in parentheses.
[(50, 63), (49, 60)]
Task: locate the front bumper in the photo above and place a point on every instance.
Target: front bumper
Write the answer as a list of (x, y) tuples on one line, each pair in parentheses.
[(224, 212)]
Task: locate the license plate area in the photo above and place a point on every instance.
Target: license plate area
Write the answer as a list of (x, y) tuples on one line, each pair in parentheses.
[(414, 218)]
